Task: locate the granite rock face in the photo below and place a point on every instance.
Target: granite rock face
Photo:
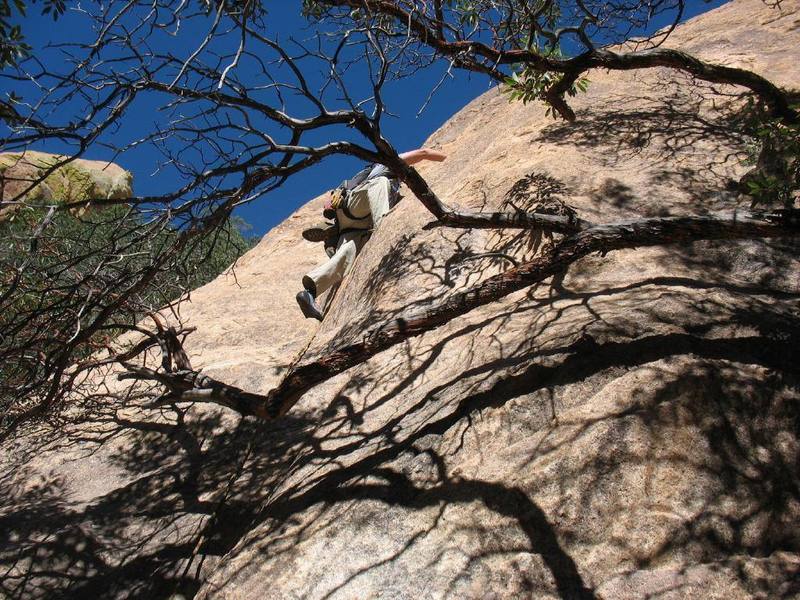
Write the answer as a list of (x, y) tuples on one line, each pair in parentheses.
[(77, 180), (628, 430)]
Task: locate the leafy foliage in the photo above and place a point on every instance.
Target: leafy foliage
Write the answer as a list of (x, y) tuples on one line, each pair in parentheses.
[(12, 42), (527, 84), (57, 268), (776, 178)]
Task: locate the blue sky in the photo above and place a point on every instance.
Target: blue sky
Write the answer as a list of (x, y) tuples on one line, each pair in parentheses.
[(406, 130)]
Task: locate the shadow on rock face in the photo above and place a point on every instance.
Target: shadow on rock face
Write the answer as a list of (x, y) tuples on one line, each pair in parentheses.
[(665, 122), (683, 461), (630, 451), (146, 537), (629, 429), (599, 432), (665, 118)]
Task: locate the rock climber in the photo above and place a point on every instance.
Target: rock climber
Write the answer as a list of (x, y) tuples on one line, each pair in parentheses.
[(357, 206)]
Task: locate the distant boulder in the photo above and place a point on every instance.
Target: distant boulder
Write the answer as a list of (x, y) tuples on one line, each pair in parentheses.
[(74, 181)]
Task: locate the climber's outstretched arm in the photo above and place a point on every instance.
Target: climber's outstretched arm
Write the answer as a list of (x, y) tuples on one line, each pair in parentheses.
[(414, 156)]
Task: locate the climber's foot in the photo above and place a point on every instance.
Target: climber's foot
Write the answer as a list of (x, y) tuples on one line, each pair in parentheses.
[(309, 285), (308, 305), (320, 233)]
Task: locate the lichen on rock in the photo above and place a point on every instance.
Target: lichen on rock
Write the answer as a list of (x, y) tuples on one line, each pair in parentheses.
[(72, 180)]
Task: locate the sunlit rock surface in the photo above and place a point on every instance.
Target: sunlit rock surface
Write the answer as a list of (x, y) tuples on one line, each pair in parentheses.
[(626, 431), (77, 180)]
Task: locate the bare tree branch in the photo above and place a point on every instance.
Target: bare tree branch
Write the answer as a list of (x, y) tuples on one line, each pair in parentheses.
[(475, 53), (191, 386), (80, 270)]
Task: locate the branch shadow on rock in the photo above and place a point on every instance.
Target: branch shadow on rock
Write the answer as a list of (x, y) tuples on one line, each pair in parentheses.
[(197, 490), (663, 127), (159, 533)]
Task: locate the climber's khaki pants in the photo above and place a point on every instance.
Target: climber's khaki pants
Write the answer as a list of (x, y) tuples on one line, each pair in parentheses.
[(369, 199), (337, 266)]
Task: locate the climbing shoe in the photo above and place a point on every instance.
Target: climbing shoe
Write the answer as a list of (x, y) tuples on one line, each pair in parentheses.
[(308, 305), (320, 233)]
